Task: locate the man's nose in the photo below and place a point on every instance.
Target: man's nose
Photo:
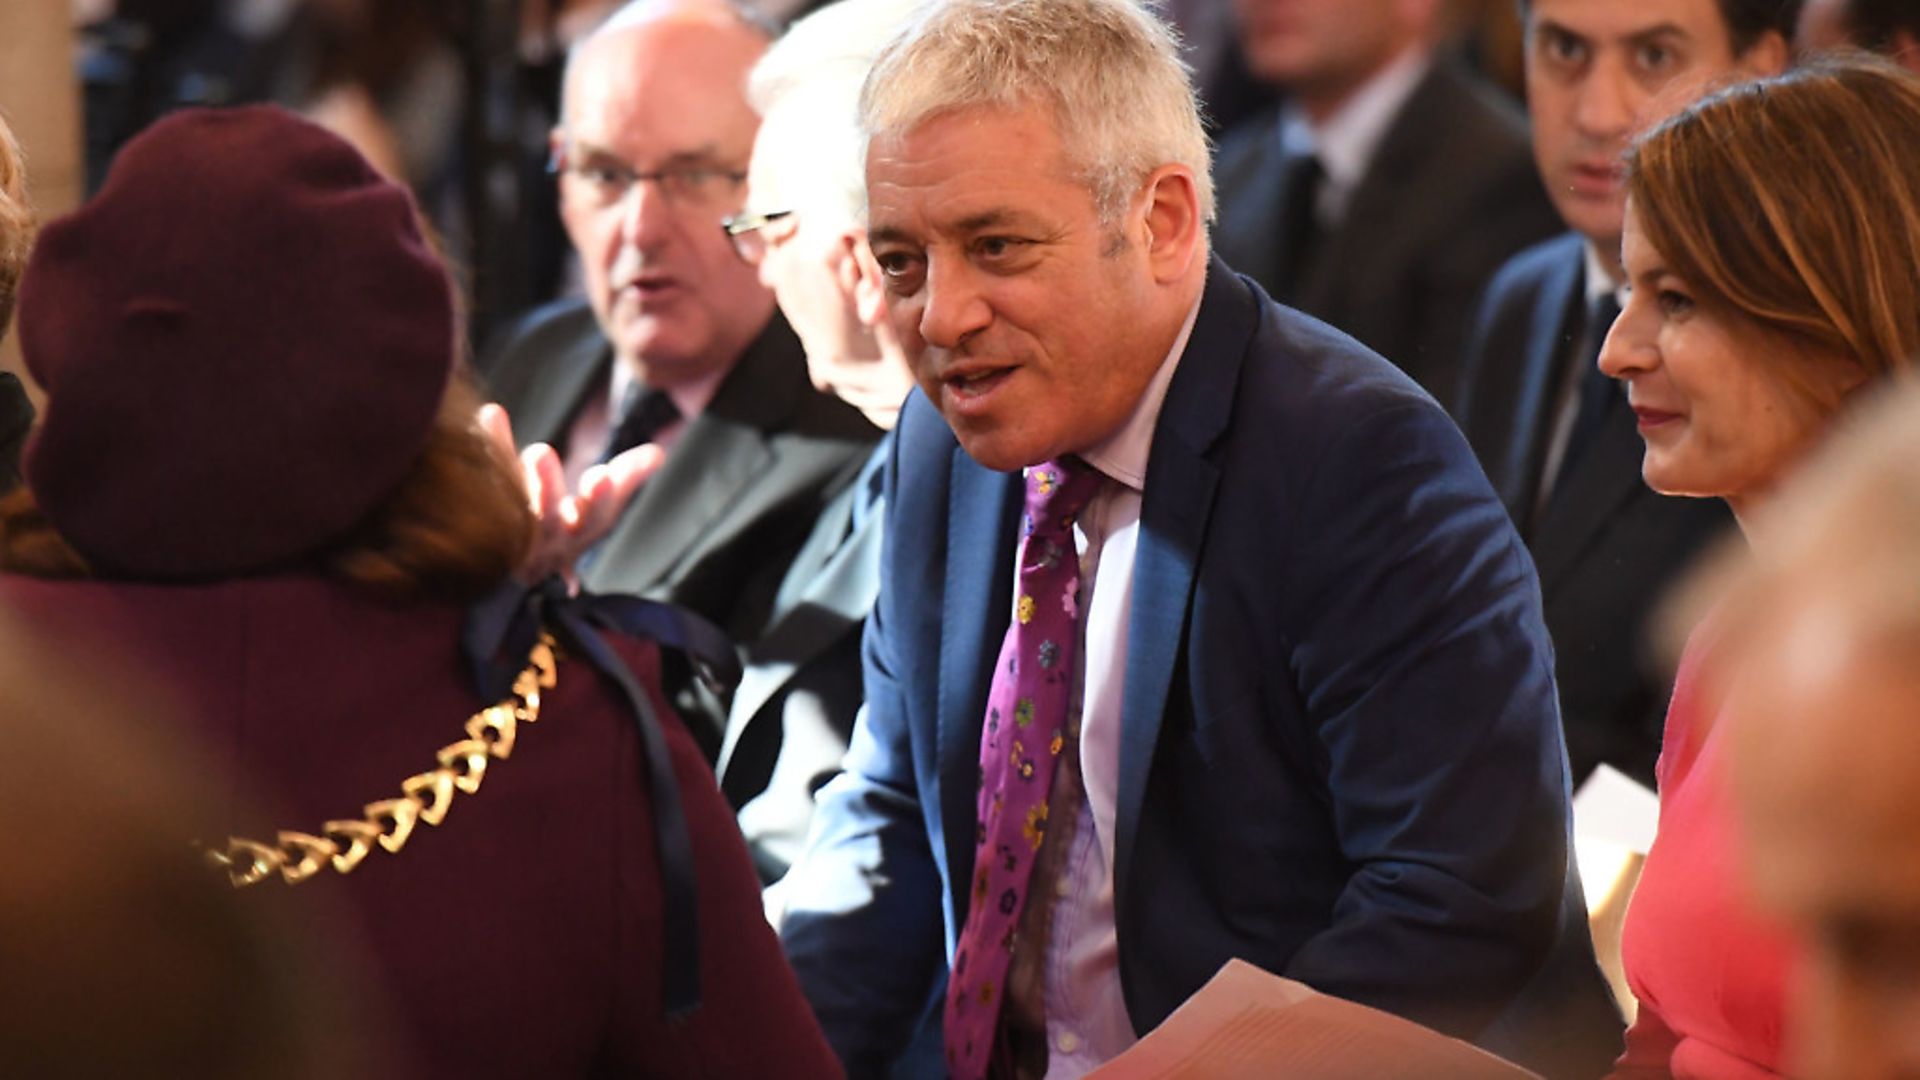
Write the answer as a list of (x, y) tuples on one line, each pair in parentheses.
[(646, 211), (1606, 103), (954, 307)]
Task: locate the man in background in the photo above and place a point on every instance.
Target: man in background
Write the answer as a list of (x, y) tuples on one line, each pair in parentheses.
[(804, 228), (676, 344), (1556, 437), (1386, 189)]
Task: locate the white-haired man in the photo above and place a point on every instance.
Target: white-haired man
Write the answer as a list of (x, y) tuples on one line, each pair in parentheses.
[(804, 228), (676, 343), (1261, 674)]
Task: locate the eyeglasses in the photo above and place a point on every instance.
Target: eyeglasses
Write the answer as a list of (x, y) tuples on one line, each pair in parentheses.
[(747, 231), (602, 182)]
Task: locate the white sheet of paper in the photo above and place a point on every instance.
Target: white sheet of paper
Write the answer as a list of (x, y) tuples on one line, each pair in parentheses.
[(1616, 808), (1249, 1024)]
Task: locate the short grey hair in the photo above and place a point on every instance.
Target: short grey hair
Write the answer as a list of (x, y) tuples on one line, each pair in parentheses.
[(1122, 97), (812, 76)]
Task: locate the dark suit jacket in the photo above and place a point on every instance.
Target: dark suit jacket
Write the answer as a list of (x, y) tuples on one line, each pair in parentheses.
[(791, 716), (1607, 546), (1340, 755), (1451, 193), (16, 418), (715, 529)]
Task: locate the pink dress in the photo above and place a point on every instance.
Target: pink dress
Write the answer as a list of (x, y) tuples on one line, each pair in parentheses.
[(1710, 972)]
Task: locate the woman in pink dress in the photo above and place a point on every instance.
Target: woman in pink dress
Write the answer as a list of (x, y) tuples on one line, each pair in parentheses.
[(1771, 240)]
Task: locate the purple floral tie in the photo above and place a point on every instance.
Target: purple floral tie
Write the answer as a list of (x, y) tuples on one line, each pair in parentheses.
[(1026, 727)]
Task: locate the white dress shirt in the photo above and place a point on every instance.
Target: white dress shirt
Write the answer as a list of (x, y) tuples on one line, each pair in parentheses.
[(1086, 1015)]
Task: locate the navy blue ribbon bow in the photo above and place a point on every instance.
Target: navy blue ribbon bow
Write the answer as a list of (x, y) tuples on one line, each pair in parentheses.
[(502, 629)]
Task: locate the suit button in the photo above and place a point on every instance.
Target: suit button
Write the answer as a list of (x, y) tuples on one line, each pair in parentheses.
[(1066, 1042)]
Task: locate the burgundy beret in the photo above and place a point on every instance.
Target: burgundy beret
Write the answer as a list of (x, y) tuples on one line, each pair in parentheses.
[(244, 341)]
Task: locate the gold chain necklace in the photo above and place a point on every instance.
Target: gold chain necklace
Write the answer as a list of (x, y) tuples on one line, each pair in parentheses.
[(425, 797)]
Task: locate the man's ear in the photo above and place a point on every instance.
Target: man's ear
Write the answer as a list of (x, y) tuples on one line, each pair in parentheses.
[(1769, 55), (867, 286), (1171, 221)]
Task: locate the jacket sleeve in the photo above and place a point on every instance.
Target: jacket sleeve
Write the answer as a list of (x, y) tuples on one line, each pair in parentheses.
[(1427, 676), (862, 926)]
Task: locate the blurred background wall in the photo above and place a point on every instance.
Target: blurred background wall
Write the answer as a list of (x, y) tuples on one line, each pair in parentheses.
[(40, 100)]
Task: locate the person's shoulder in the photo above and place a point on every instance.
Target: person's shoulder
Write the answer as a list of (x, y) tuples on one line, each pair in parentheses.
[(1532, 268), (1480, 111), (534, 335)]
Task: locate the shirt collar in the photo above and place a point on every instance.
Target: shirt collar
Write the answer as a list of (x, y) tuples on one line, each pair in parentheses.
[(690, 398), (1599, 280), (1123, 454), (1346, 141)]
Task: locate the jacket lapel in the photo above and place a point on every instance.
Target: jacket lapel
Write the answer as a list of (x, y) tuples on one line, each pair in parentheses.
[(722, 451), (1546, 348), (1175, 506), (1604, 478), (841, 574), (575, 371)]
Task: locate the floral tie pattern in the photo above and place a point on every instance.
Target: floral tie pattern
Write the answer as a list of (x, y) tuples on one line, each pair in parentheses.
[(1020, 743)]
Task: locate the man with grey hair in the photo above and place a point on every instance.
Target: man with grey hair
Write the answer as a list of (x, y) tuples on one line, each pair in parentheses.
[(676, 344), (804, 229), (1259, 672)]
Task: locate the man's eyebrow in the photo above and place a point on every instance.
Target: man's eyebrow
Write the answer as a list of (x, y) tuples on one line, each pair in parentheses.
[(1653, 34), (987, 219), (887, 234)]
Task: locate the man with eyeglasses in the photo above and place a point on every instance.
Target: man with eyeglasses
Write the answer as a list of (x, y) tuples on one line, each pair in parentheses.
[(803, 229), (676, 345)]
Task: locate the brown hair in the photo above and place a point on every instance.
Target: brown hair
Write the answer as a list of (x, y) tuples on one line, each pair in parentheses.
[(1795, 202), (16, 222), (457, 525)]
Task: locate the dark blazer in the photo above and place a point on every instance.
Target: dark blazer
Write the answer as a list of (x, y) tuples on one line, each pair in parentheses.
[(791, 716), (520, 936), (1451, 193), (715, 529), (16, 418), (1340, 755), (1607, 546)]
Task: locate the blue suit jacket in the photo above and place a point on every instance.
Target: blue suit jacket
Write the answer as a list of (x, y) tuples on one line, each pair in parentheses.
[(1341, 758)]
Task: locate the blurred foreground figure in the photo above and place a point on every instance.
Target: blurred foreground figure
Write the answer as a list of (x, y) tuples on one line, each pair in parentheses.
[(1822, 678), (124, 956), (16, 239), (259, 479)]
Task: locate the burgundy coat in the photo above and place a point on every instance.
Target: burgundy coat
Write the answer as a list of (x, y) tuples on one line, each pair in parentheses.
[(520, 937)]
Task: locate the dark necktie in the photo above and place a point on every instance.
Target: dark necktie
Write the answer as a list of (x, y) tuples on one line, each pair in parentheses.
[(1299, 225), (1598, 392), (649, 412), (1020, 745)]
